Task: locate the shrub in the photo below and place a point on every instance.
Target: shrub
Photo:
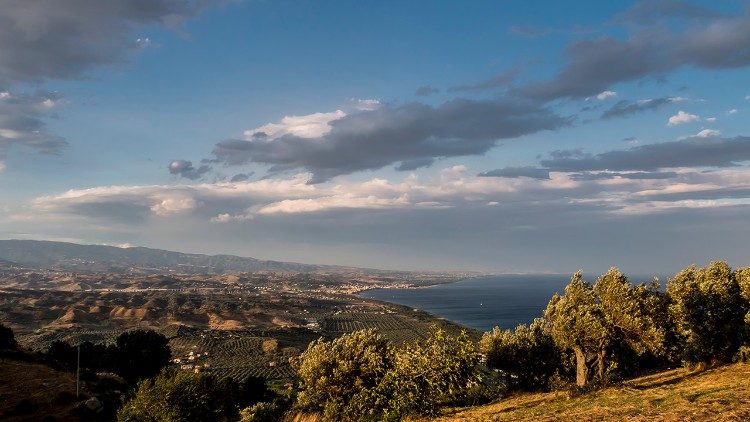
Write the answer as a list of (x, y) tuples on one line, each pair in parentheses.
[(7, 338), (181, 396), (438, 371), (140, 354), (263, 412), (337, 378), (527, 358), (708, 309)]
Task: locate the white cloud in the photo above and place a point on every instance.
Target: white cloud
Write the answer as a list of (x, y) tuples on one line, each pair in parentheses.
[(307, 126), (2, 166), (711, 119), (681, 118), (732, 111), (708, 133), (366, 104), (606, 94)]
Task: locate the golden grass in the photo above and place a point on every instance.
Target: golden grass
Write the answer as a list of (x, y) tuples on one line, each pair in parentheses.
[(719, 394)]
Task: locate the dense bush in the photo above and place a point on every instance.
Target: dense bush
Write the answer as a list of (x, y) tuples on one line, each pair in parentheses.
[(184, 397), (136, 355), (527, 358), (709, 310), (141, 354), (437, 371), (361, 376), (338, 378), (7, 338)]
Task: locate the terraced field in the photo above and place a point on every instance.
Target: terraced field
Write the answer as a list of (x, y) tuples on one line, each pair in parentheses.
[(399, 329)]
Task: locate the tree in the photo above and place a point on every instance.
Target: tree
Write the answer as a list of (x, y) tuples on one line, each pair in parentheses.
[(575, 322), (141, 354), (628, 313), (743, 280), (181, 396), (338, 378), (527, 357), (590, 319), (709, 311), (434, 372), (7, 338)]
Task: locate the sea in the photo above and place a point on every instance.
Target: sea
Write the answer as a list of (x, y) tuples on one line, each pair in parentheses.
[(484, 302)]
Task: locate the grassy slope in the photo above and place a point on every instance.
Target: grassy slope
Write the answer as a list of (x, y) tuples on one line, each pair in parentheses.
[(38, 383), (677, 395)]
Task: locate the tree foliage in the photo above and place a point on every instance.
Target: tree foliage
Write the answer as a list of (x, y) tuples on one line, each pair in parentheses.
[(7, 338), (338, 378), (591, 319), (709, 310), (527, 357), (136, 354), (431, 373), (183, 397), (141, 354), (361, 376)]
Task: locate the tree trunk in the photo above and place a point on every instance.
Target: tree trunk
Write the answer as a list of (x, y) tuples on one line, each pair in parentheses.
[(582, 370), (601, 367)]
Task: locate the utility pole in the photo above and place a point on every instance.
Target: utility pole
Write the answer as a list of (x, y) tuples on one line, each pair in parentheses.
[(78, 371)]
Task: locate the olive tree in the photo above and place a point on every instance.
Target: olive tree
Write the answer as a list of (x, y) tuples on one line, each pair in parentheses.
[(338, 378), (575, 323), (7, 338), (182, 396), (589, 319), (527, 357), (742, 275), (709, 311), (430, 373)]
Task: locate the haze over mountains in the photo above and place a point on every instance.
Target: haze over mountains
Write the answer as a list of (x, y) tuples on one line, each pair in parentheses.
[(101, 258)]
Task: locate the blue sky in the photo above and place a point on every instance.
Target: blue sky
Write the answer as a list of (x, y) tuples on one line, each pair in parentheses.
[(502, 136)]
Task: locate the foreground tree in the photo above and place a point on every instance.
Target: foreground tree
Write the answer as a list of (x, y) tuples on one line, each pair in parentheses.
[(182, 396), (575, 323), (140, 354), (338, 378), (425, 375), (7, 338), (590, 319), (709, 311), (527, 357), (743, 280)]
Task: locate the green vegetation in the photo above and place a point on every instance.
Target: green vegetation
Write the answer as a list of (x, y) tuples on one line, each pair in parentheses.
[(7, 338), (708, 310), (184, 396), (135, 355), (527, 358), (584, 354), (591, 319), (363, 376)]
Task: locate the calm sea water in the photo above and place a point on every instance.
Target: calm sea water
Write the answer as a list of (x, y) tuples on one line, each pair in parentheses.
[(481, 303)]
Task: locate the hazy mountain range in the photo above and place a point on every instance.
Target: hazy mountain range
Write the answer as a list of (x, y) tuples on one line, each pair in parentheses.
[(101, 258)]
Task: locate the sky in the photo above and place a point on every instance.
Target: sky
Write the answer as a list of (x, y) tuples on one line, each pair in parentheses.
[(513, 136)]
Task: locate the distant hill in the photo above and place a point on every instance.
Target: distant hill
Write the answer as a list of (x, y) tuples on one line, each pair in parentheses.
[(100, 258)]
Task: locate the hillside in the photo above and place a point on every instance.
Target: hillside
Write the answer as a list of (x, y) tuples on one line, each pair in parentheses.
[(721, 394), (101, 258)]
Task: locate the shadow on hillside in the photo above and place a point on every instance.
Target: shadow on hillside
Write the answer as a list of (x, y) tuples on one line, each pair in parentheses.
[(660, 380)]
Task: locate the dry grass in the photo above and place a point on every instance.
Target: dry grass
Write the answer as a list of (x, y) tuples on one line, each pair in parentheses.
[(38, 383), (719, 394)]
